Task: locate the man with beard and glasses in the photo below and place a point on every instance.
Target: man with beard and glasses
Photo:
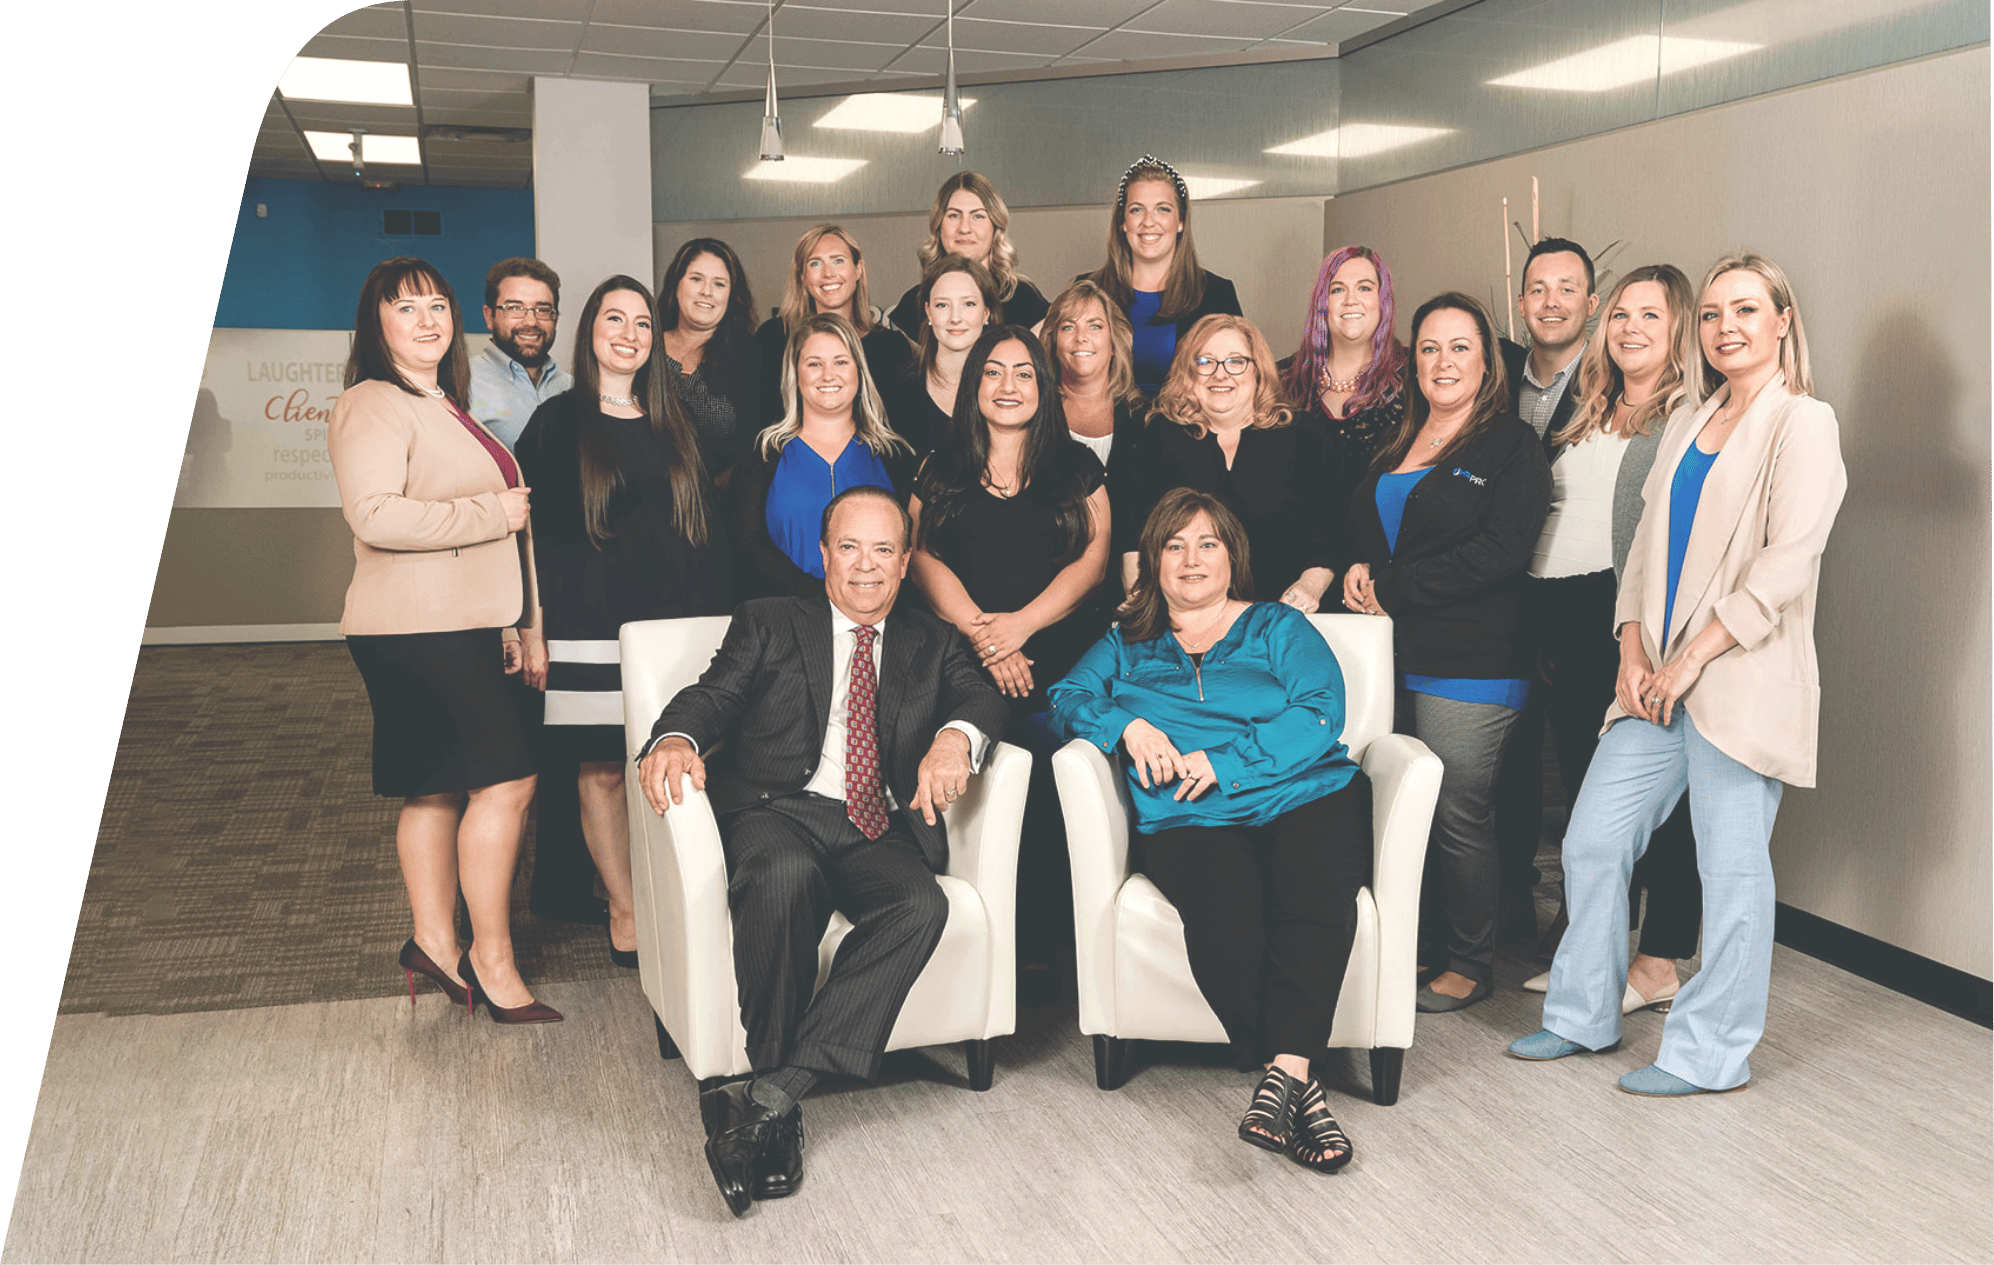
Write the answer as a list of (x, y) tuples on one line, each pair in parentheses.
[(517, 373)]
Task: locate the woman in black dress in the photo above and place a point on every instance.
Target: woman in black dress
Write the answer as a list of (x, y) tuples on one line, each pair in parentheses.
[(1220, 426), (1010, 537), (706, 321), (958, 300), (969, 218), (623, 532), (828, 278)]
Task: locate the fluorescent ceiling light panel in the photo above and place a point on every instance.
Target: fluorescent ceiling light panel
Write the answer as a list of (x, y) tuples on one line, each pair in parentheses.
[(805, 170), (388, 151), (1358, 140), (1202, 187), (887, 112), (1622, 63), (338, 79)]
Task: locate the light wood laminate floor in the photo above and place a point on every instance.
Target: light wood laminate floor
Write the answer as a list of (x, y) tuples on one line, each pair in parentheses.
[(364, 1130)]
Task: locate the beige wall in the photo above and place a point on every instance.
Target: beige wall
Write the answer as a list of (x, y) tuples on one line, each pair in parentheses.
[(1267, 246), (1872, 191), (250, 568)]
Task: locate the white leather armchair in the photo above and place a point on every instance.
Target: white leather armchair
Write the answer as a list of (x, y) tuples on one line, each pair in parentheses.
[(1135, 977), (685, 939)]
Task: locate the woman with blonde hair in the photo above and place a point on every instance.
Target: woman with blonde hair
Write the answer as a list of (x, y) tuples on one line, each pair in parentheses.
[(833, 435), (1152, 271), (827, 278), (1639, 368), (969, 218), (1089, 353), (1221, 426), (1719, 591)]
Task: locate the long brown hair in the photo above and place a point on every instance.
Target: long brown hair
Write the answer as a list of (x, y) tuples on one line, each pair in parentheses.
[(1184, 287), (798, 305), (986, 289), (1121, 338), (1178, 400), (1600, 381), (1491, 400), (1003, 258), (727, 351), (1148, 612), (369, 360), (601, 480)]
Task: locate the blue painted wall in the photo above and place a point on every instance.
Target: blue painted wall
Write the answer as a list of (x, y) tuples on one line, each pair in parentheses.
[(301, 266)]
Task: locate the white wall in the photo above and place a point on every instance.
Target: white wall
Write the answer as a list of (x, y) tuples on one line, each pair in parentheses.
[(591, 184), (1267, 246), (1872, 191)]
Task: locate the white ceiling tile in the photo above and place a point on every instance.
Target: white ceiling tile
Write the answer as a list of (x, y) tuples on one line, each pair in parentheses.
[(934, 61), (1016, 37), (473, 80), (1334, 28), (679, 71), (474, 116), (559, 10), (336, 116), (825, 54), (1096, 13), (685, 15), (932, 8), (744, 76), (451, 28), (1127, 45), (381, 21), (356, 47), (841, 24), (526, 60), (1223, 18), (644, 41)]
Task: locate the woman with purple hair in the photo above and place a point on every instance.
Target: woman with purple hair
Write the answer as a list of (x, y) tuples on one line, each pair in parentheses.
[(1350, 372)]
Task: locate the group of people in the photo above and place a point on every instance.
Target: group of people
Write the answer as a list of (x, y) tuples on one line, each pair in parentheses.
[(1116, 509)]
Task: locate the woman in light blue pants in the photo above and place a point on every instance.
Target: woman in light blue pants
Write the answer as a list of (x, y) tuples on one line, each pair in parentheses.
[(1720, 590)]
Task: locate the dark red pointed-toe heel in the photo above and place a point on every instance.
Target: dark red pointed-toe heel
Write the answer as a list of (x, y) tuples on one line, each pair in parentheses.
[(532, 1012), (415, 962)]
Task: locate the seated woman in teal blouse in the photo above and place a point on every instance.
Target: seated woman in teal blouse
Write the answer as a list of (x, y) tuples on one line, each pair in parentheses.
[(1254, 820), (832, 436)]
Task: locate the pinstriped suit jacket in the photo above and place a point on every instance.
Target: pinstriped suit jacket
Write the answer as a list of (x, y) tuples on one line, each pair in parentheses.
[(768, 690)]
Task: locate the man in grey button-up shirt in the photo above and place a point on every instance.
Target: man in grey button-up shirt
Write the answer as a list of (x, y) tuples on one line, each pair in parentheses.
[(517, 373), (1556, 302)]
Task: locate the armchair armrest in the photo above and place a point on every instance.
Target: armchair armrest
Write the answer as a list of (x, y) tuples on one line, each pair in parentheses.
[(1096, 808), (983, 828), (1405, 785), (684, 927)]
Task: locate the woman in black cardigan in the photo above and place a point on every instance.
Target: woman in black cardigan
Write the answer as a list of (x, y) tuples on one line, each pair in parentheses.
[(1446, 522)]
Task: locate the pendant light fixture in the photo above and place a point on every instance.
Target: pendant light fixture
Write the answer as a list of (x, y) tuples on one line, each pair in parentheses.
[(951, 107), (771, 120)]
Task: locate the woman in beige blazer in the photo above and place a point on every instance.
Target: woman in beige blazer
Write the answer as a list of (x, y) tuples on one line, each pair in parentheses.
[(1720, 591), (438, 516)]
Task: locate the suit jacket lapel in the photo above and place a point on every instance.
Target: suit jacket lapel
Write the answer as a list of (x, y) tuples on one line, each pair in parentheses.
[(1720, 509), (813, 635), (899, 647)]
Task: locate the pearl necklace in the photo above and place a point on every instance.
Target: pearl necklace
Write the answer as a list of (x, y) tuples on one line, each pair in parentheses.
[(434, 393), (620, 401), (1337, 386)]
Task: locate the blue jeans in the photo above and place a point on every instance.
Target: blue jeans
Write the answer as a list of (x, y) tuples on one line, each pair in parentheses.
[(1636, 777)]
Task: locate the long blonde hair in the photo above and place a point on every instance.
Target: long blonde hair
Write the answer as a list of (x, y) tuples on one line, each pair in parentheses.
[(1177, 400), (1600, 381), (1003, 258), (797, 303), (1121, 338), (1792, 348), (868, 412)]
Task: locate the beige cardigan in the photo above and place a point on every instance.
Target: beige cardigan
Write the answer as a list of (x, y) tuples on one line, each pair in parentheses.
[(1753, 562), (431, 551)]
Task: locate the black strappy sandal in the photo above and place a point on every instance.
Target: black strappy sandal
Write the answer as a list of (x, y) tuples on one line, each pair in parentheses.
[(1268, 1121), (1317, 1141)]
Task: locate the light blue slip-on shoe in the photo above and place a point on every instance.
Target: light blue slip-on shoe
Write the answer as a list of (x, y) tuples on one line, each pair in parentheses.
[(1653, 1082), (1544, 1045)]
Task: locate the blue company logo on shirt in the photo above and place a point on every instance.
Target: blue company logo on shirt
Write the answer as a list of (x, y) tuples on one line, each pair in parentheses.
[(1475, 479)]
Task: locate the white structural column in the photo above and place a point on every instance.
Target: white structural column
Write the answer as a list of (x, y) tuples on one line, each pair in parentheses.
[(591, 184)]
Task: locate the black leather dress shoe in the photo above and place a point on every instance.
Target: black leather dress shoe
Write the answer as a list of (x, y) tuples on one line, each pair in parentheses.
[(779, 1171), (741, 1131)]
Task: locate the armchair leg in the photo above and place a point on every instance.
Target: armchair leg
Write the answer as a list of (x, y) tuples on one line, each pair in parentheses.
[(667, 1048), (1387, 1069), (1111, 1062), (982, 1063)]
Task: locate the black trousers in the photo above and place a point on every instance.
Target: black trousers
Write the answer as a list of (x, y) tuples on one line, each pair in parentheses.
[(1573, 618), (1270, 914), (790, 863)]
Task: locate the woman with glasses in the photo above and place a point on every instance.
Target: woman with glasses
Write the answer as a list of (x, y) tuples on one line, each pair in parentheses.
[(706, 320), (1220, 426), (1446, 521), (623, 533), (969, 218), (1152, 270), (828, 279)]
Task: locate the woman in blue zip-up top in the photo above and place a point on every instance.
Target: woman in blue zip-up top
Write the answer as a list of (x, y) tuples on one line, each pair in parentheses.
[(1254, 820)]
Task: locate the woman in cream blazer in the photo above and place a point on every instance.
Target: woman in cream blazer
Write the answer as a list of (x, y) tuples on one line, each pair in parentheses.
[(438, 517), (1720, 591)]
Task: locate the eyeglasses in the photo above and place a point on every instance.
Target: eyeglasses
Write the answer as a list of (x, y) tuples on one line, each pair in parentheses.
[(515, 309), (1205, 366)]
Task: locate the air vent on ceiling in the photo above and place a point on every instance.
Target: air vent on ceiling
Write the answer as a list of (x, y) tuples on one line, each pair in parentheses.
[(406, 223)]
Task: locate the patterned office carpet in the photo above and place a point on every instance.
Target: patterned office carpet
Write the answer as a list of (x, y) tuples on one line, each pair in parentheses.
[(242, 859)]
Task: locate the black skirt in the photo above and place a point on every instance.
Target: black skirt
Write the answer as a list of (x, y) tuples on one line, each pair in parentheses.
[(447, 718)]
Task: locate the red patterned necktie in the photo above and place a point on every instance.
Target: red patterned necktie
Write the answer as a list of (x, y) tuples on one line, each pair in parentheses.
[(864, 803)]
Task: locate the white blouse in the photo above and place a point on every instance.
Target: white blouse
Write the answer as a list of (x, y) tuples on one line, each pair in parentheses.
[(1578, 536)]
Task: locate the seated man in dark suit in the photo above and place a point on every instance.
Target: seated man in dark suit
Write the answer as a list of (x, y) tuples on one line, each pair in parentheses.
[(828, 797)]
